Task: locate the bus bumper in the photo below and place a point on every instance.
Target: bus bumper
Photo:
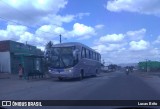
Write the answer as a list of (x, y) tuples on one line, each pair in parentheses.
[(62, 74)]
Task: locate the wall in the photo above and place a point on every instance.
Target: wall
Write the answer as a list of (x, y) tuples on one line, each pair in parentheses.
[(5, 65)]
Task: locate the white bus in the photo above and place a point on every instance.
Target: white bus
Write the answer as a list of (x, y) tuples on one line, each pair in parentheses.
[(73, 60)]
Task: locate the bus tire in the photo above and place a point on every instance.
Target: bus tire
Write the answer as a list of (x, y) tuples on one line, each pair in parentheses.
[(81, 75), (60, 78), (96, 73)]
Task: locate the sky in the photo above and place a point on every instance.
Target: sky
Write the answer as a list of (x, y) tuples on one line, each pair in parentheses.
[(122, 31)]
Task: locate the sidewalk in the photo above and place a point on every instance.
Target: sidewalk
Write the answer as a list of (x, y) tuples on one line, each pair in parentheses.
[(15, 77), (5, 75)]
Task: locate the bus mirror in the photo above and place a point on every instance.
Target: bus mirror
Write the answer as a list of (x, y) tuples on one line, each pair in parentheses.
[(75, 53)]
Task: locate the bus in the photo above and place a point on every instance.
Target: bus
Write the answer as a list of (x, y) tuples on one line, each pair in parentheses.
[(73, 60)]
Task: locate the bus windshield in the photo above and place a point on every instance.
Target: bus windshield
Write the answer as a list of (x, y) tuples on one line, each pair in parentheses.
[(62, 57)]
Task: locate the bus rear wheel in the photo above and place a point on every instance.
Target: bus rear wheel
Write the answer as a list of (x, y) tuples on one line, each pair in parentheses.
[(60, 78), (96, 73), (81, 75)]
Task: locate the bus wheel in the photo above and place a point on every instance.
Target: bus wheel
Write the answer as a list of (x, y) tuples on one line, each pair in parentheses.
[(60, 78), (96, 73), (81, 75)]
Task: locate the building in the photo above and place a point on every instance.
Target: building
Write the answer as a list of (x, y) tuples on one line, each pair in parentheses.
[(14, 53), (149, 66)]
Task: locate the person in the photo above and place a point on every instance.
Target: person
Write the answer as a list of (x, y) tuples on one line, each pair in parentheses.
[(127, 70), (20, 71)]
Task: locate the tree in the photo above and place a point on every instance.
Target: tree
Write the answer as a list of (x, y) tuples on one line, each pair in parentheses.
[(49, 45)]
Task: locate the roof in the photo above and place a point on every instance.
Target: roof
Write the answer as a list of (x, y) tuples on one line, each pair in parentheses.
[(72, 44), (17, 47)]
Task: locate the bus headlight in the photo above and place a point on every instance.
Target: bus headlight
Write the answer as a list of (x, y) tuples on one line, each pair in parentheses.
[(68, 70)]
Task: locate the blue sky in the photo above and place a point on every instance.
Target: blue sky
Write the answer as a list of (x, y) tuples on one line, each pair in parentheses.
[(123, 31)]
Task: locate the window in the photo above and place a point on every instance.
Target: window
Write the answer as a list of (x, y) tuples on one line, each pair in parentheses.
[(94, 55), (98, 57), (87, 53), (83, 53), (91, 55)]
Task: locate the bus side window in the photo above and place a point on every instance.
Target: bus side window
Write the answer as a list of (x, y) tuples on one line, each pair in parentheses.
[(96, 56), (87, 53), (93, 56), (90, 55), (83, 53)]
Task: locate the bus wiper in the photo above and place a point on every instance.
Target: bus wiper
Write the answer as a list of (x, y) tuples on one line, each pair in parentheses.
[(63, 62)]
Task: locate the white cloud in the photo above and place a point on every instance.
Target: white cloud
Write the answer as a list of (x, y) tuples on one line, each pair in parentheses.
[(82, 31), (130, 35), (157, 41), (100, 26), (103, 48), (112, 38), (149, 7), (20, 33), (128, 47), (100, 48), (12, 32), (140, 45), (81, 15), (56, 19), (37, 12), (49, 31), (44, 33), (31, 11), (136, 35)]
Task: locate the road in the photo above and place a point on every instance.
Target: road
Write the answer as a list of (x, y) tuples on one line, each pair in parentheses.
[(107, 86)]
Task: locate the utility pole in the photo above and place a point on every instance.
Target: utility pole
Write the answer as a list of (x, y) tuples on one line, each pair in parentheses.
[(60, 38)]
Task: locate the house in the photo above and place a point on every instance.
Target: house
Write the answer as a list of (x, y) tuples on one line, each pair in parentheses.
[(14, 53)]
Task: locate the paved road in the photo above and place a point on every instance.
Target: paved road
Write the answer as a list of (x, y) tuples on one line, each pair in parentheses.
[(107, 86)]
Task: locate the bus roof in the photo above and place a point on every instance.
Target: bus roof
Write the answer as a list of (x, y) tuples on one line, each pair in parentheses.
[(73, 44)]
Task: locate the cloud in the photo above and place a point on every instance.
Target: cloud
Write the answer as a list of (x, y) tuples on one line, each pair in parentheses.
[(100, 26), (149, 7), (82, 31), (81, 15), (56, 19), (136, 35), (103, 48), (157, 41), (45, 33), (12, 32), (128, 47), (49, 31), (112, 38), (31, 12), (130, 35), (21, 34), (37, 12), (140, 45)]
